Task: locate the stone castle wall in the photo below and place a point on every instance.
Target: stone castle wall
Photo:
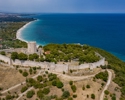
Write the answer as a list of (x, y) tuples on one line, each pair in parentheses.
[(5, 59), (89, 65), (52, 66)]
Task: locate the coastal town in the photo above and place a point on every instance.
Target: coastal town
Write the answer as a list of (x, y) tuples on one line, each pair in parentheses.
[(55, 71)]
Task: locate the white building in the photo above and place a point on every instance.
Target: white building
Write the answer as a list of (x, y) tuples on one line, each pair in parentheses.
[(32, 47)]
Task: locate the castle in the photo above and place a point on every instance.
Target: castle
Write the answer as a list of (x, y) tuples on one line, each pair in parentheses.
[(46, 65)]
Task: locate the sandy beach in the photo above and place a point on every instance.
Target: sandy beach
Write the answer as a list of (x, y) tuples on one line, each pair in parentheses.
[(19, 32)]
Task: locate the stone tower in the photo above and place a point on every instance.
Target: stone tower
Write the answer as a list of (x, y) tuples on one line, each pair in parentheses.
[(32, 47)]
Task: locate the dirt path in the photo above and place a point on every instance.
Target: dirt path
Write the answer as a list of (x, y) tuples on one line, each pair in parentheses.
[(107, 84)]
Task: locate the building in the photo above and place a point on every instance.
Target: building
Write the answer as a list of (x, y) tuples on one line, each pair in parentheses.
[(32, 47)]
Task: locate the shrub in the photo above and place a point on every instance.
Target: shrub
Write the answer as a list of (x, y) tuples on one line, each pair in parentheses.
[(73, 87), (59, 84), (39, 78), (83, 87), (65, 94), (71, 82), (20, 71), (93, 96), (40, 94), (54, 83), (24, 89), (74, 96), (106, 92), (70, 98), (25, 74), (87, 86), (46, 90), (30, 94)]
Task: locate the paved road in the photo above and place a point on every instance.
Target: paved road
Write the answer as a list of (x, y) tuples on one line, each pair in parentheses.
[(107, 84), (13, 87)]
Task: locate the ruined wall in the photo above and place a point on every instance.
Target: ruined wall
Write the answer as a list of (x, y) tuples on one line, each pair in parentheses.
[(88, 65), (5, 59)]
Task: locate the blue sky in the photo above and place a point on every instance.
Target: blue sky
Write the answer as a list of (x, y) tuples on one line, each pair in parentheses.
[(63, 6)]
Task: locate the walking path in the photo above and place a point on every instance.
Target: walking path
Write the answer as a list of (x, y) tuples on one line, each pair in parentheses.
[(107, 84)]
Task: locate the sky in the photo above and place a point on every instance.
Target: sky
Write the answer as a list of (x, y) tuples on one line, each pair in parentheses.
[(63, 6)]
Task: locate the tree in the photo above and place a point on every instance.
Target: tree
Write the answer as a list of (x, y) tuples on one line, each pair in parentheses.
[(65, 94), (71, 82), (14, 55), (46, 90), (73, 87), (40, 94), (39, 78), (24, 89), (30, 70), (87, 86), (2, 53), (93, 96), (22, 56), (25, 74), (54, 83), (106, 92), (30, 94), (59, 84)]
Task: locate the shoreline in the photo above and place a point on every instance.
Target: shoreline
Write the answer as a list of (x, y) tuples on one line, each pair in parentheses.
[(19, 31)]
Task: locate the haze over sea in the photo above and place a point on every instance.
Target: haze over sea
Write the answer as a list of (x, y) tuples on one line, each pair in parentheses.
[(106, 31)]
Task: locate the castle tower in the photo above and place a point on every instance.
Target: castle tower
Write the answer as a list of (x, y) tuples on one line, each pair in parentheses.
[(32, 47)]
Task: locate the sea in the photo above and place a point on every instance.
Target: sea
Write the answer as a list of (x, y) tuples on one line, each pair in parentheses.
[(106, 31)]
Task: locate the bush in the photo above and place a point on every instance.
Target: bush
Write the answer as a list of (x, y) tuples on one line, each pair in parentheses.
[(59, 84), (39, 78), (83, 87), (93, 96), (54, 83), (30, 94), (71, 82), (65, 94), (106, 92), (70, 98), (102, 75), (87, 86), (25, 74), (40, 94), (9, 97), (24, 89), (20, 71), (46, 90), (74, 96), (73, 87), (113, 97)]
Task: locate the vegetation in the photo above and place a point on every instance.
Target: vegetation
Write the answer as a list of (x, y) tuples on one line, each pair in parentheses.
[(30, 94), (106, 92), (87, 86), (24, 89), (117, 65), (93, 96), (73, 87), (102, 75), (25, 74), (68, 52), (66, 94)]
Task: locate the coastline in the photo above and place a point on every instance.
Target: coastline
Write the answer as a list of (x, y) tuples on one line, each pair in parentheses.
[(19, 31)]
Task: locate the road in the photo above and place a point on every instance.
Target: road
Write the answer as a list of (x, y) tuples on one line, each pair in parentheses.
[(107, 84), (13, 87)]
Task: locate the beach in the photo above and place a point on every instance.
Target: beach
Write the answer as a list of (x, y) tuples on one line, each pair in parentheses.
[(19, 32)]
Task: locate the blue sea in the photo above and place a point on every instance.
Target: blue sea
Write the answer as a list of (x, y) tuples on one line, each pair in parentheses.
[(106, 31)]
